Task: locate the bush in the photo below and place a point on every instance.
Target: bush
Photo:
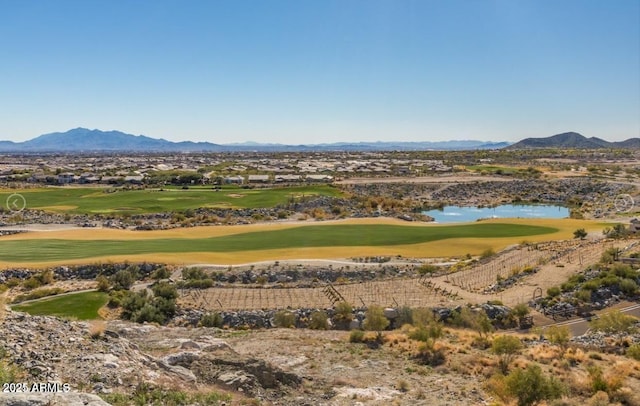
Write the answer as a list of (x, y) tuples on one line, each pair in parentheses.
[(343, 312), (506, 347), (319, 320), (405, 316), (580, 233), (422, 316), (284, 319), (31, 283), (553, 291), (211, 320), (628, 286), (428, 269), (428, 355), (633, 352), (488, 253), (123, 279), (103, 283), (374, 319), (356, 336), (530, 386), (161, 273), (194, 273), (614, 322), (583, 295), (427, 333), (165, 290), (558, 335)]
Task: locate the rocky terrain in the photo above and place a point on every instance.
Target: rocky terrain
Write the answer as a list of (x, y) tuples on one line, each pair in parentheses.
[(279, 366)]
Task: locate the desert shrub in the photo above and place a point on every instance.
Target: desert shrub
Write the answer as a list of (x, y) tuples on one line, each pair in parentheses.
[(9, 372), (628, 286), (194, 273), (31, 283), (583, 295), (614, 322), (45, 277), (428, 269), (144, 307), (429, 355), (165, 290), (530, 386), (103, 283), (633, 352), (520, 311), (427, 333), (161, 273), (553, 291), (488, 253), (374, 319), (422, 316), (211, 320), (319, 320), (123, 279), (580, 233), (148, 314), (405, 316), (96, 329), (356, 336), (506, 347), (558, 335), (599, 383), (284, 319), (343, 312)]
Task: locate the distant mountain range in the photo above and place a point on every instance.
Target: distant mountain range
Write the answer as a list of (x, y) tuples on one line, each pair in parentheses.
[(85, 140), (573, 140)]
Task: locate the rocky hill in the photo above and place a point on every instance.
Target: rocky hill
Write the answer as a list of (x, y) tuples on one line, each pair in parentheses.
[(573, 140)]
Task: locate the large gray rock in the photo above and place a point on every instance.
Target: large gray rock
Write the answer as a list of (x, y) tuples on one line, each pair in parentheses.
[(51, 399)]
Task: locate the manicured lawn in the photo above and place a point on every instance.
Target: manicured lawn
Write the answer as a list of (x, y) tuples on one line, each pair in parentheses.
[(336, 235), (99, 200), (81, 306)]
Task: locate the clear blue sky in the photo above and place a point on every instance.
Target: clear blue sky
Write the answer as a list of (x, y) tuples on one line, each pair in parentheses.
[(321, 71)]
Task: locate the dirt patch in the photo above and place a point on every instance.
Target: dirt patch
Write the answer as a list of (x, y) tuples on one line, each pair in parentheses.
[(235, 195)]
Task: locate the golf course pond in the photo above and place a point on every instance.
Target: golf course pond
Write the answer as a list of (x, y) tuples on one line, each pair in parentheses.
[(459, 214)]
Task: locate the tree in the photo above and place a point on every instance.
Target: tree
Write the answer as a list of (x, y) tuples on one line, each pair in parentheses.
[(506, 347), (375, 320), (580, 233), (530, 386)]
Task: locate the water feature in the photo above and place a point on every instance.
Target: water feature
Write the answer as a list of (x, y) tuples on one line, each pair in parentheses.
[(459, 214)]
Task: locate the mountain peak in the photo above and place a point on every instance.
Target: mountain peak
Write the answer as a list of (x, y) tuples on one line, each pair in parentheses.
[(572, 140)]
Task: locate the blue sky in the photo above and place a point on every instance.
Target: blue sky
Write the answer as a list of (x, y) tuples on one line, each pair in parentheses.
[(321, 71)]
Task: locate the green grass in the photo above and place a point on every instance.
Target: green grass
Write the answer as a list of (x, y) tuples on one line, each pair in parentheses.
[(297, 237), (97, 200), (80, 306)]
